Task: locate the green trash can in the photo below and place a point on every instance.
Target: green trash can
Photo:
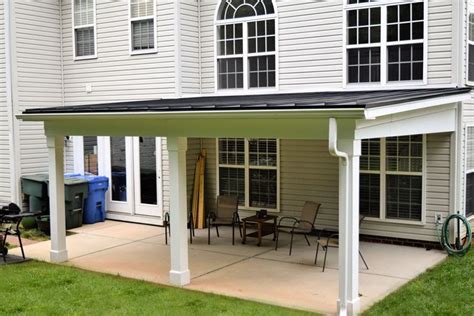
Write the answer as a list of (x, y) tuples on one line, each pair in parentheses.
[(36, 187), (75, 192)]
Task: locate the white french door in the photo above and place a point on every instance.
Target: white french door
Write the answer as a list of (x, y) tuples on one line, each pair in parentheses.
[(133, 165)]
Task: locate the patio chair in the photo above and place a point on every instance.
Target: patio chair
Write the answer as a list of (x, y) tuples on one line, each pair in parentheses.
[(226, 214), (332, 241), (302, 226), (166, 224)]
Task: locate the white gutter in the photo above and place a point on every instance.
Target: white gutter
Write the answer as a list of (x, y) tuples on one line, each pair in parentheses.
[(348, 112), (14, 181)]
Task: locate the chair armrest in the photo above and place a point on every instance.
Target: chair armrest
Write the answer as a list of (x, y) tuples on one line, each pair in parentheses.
[(304, 221), (294, 219)]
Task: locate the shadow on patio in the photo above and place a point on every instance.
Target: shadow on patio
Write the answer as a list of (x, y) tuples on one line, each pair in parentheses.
[(244, 271)]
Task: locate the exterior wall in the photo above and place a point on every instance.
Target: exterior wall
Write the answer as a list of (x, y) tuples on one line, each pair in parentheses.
[(115, 75), (5, 187), (309, 173), (190, 63), (311, 39), (37, 75)]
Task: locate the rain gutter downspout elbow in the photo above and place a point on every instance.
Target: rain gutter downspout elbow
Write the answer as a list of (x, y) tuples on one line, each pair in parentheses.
[(333, 141)]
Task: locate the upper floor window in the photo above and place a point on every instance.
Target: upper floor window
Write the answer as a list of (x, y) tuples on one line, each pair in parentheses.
[(84, 28), (470, 43), (142, 26), (386, 41), (246, 44)]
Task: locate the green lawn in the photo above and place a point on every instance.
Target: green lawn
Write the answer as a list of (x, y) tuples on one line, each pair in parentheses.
[(447, 289), (37, 288)]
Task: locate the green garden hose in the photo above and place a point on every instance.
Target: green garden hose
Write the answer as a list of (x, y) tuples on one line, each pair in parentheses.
[(458, 249)]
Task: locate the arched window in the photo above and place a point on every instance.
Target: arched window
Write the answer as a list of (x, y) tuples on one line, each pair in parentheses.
[(246, 44)]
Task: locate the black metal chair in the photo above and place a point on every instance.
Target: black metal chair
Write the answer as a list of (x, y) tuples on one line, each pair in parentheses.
[(332, 241), (166, 224), (226, 214), (302, 226)]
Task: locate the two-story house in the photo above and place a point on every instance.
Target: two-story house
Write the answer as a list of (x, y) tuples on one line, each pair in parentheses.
[(135, 89)]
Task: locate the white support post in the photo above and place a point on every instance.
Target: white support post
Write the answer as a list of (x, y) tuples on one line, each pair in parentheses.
[(179, 273), (349, 302), (57, 211)]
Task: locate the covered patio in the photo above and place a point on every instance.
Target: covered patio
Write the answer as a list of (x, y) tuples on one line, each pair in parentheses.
[(342, 119), (245, 271)]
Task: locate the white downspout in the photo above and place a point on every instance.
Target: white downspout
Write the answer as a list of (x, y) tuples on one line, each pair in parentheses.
[(343, 217), (14, 181)]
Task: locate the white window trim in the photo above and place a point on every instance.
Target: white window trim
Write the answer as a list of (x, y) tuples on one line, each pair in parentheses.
[(74, 27), (383, 45), (130, 40), (246, 87), (382, 172), (246, 166), (470, 8), (466, 171)]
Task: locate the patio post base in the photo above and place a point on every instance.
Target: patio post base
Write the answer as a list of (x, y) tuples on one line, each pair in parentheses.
[(58, 256), (352, 308), (180, 278)]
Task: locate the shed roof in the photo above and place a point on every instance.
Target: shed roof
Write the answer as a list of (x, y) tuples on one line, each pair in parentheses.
[(288, 101)]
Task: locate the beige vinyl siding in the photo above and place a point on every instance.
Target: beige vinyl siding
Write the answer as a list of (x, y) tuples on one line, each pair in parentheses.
[(208, 9), (309, 173), (38, 74), (311, 44), (115, 75), (5, 168), (190, 47), (440, 43)]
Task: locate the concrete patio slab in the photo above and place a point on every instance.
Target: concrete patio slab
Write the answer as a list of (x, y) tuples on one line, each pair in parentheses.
[(78, 245), (245, 271), (150, 262)]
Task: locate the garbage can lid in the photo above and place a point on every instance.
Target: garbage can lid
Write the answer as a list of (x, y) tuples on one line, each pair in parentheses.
[(40, 177)]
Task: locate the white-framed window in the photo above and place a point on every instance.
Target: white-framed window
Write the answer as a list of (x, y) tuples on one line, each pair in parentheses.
[(469, 161), (142, 26), (391, 178), (84, 29), (249, 168), (470, 44), (385, 41), (246, 45)]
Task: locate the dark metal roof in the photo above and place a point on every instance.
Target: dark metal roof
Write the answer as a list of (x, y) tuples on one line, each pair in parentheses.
[(296, 101)]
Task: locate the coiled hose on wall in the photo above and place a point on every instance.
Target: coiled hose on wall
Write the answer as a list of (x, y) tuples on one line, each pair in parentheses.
[(458, 249)]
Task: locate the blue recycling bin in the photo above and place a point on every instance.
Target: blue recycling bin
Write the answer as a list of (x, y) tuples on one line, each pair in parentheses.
[(94, 205)]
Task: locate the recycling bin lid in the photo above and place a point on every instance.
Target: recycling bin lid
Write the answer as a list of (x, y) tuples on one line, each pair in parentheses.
[(95, 179)]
